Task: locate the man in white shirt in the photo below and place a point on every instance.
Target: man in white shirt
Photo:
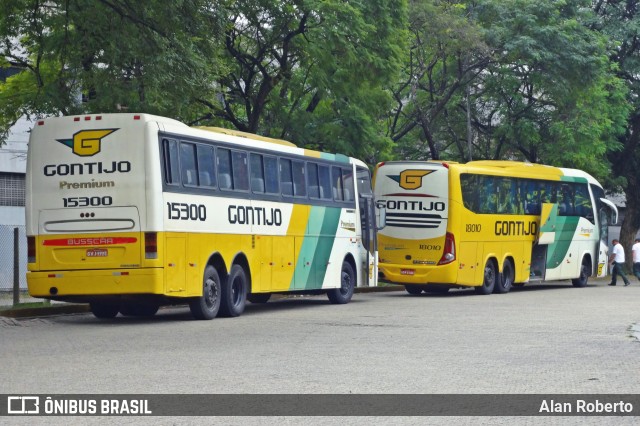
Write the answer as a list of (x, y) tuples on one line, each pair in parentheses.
[(617, 261), (635, 250)]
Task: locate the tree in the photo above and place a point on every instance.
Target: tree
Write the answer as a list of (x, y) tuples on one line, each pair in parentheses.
[(446, 54), (83, 56), (310, 71), (511, 79), (620, 20)]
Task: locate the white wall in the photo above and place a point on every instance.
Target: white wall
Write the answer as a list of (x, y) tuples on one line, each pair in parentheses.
[(13, 216), (13, 154)]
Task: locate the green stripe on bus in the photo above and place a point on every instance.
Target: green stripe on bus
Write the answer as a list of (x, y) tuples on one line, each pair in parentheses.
[(316, 248), (565, 230)]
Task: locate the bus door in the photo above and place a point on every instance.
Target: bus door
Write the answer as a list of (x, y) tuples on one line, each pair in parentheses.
[(607, 215), (546, 237), (369, 241)]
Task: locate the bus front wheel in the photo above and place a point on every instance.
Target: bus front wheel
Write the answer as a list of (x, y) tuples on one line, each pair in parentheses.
[(104, 310), (342, 295), (490, 278), (234, 292), (585, 271), (206, 307)]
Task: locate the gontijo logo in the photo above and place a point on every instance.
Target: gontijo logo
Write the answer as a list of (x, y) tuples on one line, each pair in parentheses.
[(86, 143), (411, 179)]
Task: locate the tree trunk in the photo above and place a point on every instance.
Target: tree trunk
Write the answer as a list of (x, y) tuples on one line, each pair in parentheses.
[(630, 224)]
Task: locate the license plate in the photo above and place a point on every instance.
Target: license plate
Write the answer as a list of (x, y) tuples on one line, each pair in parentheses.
[(97, 253)]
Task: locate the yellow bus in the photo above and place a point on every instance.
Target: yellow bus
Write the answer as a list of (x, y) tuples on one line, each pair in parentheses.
[(131, 211), (489, 225)]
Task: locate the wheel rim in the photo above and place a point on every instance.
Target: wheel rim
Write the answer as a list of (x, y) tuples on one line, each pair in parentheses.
[(211, 292)]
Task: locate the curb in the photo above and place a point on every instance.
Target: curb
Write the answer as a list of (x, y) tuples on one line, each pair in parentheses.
[(44, 311), (79, 308)]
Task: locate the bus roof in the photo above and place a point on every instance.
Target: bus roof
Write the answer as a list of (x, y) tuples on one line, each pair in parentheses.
[(245, 135), (507, 168)]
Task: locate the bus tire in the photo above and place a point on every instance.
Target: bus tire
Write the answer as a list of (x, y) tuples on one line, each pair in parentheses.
[(234, 292), (489, 280), (206, 307), (258, 297), (505, 281), (104, 310), (342, 295), (585, 272), (139, 309), (413, 289)]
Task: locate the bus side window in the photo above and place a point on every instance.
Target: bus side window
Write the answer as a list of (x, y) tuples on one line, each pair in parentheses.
[(489, 195), (171, 162), (348, 185), (240, 170), (206, 167), (506, 196), (299, 181), (532, 196), (583, 202), (224, 168), (286, 182), (312, 178), (470, 192), (336, 173), (324, 177), (271, 175), (257, 173), (188, 164)]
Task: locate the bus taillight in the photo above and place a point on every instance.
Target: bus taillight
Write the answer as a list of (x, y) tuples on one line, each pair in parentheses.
[(151, 245), (449, 254), (31, 249)]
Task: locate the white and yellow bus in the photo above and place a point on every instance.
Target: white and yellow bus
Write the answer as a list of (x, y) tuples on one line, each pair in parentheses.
[(489, 225), (131, 211)]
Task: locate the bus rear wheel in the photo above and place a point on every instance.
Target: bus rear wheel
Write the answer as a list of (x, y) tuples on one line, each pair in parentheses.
[(585, 271), (104, 310), (505, 282), (490, 278), (413, 289), (206, 307), (343, 295), (234, 292)]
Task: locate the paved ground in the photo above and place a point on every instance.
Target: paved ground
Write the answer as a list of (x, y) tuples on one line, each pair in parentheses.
[(551, 339)]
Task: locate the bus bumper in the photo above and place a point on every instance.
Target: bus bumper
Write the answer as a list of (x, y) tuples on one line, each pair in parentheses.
[(62, 285), (413, 274)]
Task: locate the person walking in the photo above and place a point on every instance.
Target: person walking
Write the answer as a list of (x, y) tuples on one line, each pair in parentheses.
[(617, 261), (635, 251)]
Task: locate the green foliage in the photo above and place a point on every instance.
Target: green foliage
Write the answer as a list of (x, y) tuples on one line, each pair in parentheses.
[(82, 56), (310, 71), (515, 79)]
